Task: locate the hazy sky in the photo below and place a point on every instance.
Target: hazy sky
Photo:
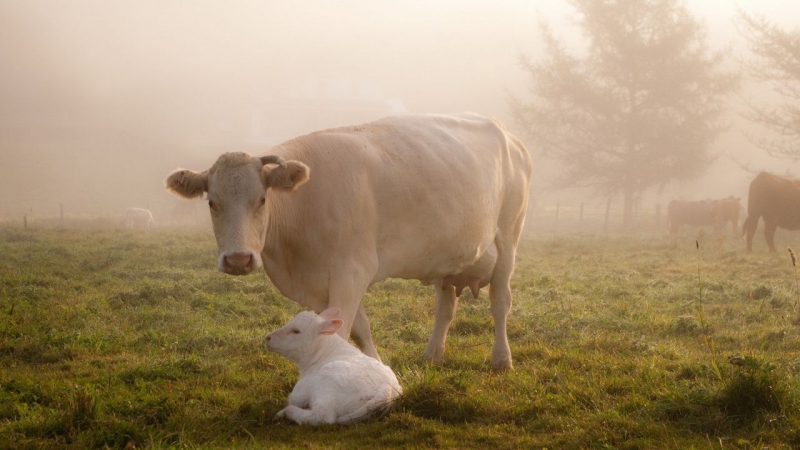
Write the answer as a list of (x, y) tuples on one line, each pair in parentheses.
[(456, 50), (147, 68)]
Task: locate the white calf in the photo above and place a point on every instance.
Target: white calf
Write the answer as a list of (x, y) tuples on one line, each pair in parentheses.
[(139, 218), (338, 383)]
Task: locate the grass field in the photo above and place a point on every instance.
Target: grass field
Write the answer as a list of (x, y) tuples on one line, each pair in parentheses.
[(116, 339)]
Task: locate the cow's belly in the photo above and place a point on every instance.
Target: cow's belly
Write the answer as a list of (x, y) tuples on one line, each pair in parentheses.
[(697, 221), (788, 224), (438, 228), (786, 218), (421, 259)]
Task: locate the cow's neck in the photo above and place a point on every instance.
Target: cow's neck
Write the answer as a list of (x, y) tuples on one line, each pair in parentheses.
[(276, 260)]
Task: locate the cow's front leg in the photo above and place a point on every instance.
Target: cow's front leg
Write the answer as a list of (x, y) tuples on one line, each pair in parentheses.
[(346, 291), (361, 333)]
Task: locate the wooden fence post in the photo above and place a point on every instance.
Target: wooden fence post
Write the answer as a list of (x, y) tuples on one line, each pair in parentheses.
[(658, 216), (555, 225), (608, 208)]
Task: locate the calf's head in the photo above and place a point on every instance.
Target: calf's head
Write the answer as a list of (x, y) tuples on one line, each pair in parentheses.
[(301, 336), (237, 186)]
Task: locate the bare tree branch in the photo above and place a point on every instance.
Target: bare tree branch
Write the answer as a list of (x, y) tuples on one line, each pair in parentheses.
[(776, 63)]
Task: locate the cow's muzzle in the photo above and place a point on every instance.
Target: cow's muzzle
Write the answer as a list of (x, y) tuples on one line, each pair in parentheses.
[(239, 263)]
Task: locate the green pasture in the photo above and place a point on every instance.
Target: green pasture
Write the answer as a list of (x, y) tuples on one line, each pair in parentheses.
[(122, 339)]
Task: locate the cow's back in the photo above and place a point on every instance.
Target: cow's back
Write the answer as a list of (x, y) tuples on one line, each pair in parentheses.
[(418, 196)]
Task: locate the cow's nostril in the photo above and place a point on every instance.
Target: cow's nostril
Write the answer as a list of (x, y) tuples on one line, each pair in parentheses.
[(238, 260)]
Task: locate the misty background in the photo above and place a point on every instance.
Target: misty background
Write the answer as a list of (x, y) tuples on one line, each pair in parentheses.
[(99, 100)]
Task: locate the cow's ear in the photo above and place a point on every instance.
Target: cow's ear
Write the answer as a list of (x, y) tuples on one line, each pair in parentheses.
[(187, 183), (287, 178)]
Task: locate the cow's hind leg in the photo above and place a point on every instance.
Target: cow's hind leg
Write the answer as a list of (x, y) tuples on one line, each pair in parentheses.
[(446, 303), (500, 304), (506, 241), (769, 233)]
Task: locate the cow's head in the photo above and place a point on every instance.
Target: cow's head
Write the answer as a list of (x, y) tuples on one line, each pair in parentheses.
[(237, 186)]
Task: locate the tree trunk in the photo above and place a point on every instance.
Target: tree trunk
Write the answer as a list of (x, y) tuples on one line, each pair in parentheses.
[(627, 206)]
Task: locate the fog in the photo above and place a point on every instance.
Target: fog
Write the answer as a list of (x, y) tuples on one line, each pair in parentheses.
[(100, 100)]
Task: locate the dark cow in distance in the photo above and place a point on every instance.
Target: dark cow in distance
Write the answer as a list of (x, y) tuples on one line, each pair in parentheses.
[(704, 213), (681, 213), (724, 211), (777, 200)]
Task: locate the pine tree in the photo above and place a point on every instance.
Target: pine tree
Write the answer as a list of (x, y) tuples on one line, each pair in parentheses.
[(640, 108)]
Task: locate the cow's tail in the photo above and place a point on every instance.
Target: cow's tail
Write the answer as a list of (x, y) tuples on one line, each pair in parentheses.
[(750, 223)]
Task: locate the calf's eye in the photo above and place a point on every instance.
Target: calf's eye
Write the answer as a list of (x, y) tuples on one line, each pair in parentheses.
[(212, 205), (295, 331), (263, 200)]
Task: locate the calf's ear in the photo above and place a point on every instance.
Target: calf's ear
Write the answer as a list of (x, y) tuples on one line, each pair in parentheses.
[(187, 183), (287, 178), (330, 313), (330, 326)]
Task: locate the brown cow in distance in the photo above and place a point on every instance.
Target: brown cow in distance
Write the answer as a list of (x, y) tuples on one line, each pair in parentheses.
[(777, 200), (724, 211), (704, 213)]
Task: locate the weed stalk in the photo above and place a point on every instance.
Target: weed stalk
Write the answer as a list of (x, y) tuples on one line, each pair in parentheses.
[(710, 342), (796, 285), (700, 290)]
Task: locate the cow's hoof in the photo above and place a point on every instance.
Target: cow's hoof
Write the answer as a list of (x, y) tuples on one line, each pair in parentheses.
[(434, 357), (504, 365)]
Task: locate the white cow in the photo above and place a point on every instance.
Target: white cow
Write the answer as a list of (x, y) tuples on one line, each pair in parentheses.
[(139, 218), (338, 383), (333, 212)]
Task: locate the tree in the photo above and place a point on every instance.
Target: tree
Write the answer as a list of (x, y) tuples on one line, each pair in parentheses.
[(640, 109), (776, 62)]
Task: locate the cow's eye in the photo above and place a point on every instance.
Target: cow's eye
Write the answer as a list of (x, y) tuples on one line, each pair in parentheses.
[(295, 331), (263, 200), (212, 205)]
